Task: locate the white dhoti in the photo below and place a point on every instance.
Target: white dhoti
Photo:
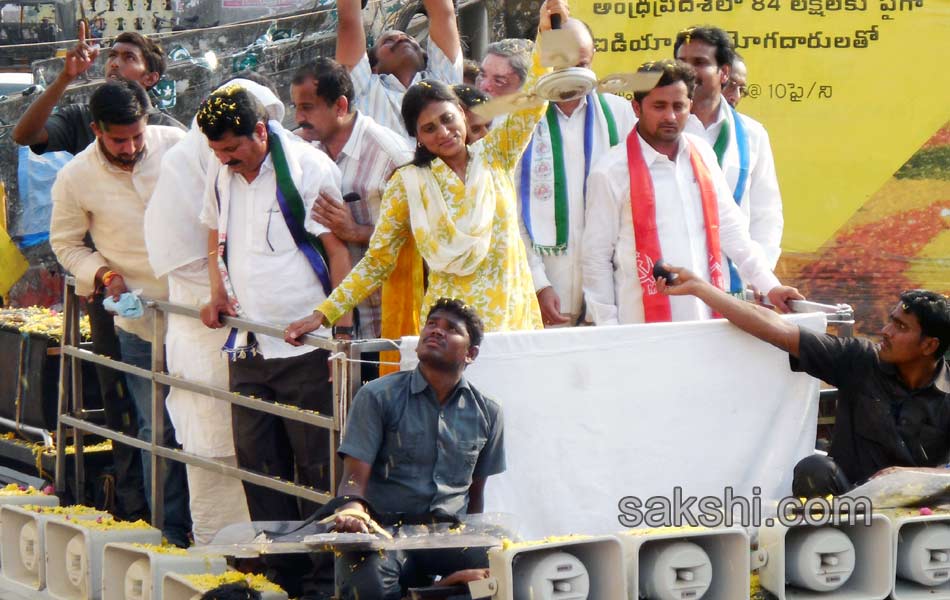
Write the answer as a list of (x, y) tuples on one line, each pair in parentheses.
[(202, 423)]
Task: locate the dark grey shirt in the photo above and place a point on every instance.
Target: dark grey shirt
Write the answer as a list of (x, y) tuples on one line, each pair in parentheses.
[(879, 423), (423, 455), (70, 129)]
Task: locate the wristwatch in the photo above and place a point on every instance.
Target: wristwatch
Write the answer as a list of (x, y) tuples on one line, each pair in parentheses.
[(343, 330)]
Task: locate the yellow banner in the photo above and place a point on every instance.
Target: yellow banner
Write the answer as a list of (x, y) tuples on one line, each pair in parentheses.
[(854, 96), (12, 263)]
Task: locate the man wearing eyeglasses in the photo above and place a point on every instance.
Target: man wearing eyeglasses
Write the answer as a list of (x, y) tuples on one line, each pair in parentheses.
[(735, 88), (504, 67), (741, 144)]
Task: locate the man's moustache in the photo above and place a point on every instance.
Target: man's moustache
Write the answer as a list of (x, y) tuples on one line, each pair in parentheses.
[(233, 162)]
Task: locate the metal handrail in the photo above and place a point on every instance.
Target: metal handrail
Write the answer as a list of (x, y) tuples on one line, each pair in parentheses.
[(70, 409)]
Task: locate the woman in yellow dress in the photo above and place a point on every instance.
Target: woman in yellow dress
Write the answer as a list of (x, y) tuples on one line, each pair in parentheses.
[(458, 203)]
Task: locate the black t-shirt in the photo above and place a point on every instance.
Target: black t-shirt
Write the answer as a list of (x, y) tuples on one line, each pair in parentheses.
[(70, 129), (879, 423)]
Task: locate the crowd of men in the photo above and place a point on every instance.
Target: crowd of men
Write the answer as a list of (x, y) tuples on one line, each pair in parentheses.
[(238, 215)]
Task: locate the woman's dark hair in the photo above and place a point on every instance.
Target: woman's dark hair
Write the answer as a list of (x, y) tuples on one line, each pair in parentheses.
[(231, 108), (414, 102), (119, 102)]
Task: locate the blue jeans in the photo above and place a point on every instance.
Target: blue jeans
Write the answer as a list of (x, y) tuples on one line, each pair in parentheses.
[(138, 352)]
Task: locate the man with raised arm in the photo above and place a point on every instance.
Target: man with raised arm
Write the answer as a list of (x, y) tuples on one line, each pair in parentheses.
[(132, 56), (382, 74), (893, 406)]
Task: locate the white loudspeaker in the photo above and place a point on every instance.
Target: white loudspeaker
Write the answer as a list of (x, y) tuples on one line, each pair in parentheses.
[(176, 586), (922, 555), (846, 562), (135, 571), (22, 540), (690, 563), (74, 552), (20, 499), (567, 568)]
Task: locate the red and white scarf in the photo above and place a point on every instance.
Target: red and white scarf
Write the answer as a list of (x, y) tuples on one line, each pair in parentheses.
[(656, 306)]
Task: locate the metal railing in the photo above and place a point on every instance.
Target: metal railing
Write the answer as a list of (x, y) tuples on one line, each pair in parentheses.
[(345, 370), (71, 412)]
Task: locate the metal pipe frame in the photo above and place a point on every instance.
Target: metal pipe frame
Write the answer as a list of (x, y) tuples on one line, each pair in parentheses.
[(70, 405)]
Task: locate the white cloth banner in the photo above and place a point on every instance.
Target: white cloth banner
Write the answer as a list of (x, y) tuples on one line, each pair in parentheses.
[(594, 414)]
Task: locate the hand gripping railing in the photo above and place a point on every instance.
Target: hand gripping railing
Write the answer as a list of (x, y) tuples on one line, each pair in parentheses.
[(71, 411)]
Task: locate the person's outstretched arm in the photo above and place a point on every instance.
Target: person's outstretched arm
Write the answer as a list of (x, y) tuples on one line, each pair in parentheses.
[(754, 320), (30, 130), (443, 27), (350, 36)]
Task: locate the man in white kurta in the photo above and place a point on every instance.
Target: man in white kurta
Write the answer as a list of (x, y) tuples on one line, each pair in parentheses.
[(177, 245), (556, 264), (612, 282), (746, 143)]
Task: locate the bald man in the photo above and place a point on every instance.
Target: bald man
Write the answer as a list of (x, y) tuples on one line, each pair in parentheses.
[(551, 185)]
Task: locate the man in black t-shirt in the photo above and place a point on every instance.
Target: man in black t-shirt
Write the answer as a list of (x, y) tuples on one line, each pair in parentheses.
[(132, 56), (893, 397)]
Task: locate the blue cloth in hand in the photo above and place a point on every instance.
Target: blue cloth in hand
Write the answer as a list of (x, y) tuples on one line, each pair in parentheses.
[(128, 306)]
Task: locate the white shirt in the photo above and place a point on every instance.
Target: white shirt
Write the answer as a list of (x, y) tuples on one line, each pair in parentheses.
[(761, 199), (611, 283), (563, 272), (93, 195), (380, 96), (271, 277), (368, 158)]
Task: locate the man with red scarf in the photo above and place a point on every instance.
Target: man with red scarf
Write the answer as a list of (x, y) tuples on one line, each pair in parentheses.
[(661, 194)]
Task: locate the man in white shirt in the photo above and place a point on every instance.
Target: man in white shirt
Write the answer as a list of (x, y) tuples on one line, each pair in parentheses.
[(177, 244), (551, 190), (741, 143), (662, 195), (382, 74), (266, 268), (270, 263), (365, 152), (103, 192)]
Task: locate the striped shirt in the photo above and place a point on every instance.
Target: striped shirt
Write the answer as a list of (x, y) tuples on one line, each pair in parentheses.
[(366, 161), (380, 96)]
